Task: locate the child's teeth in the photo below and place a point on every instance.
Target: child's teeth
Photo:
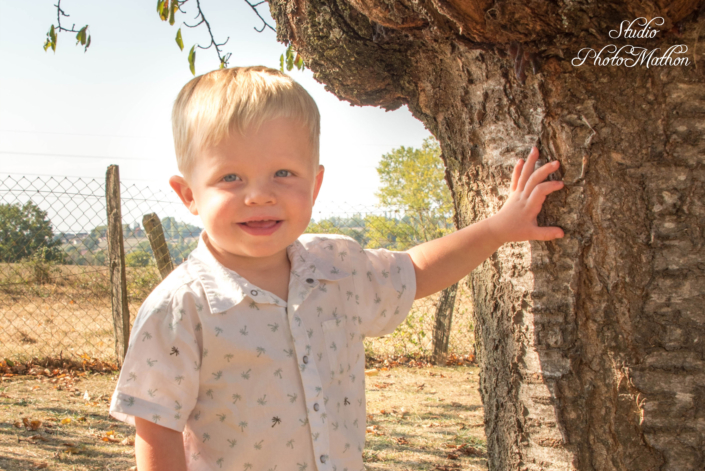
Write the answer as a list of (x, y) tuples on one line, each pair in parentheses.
[(261, 223)]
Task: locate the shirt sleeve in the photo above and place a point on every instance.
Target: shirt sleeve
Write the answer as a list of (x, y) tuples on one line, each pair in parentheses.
[(159, 378), (384, 288)]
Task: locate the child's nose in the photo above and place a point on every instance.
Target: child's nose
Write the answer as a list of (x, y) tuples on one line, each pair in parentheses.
[(260, 193)]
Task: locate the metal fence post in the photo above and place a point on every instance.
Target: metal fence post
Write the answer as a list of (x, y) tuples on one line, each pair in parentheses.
[(155, 233), (116, 257)]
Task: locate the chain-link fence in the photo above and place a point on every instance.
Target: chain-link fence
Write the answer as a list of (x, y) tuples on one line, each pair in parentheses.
[(55, 291)]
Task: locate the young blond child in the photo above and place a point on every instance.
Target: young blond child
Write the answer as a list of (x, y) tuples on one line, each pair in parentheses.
[(249, 356)]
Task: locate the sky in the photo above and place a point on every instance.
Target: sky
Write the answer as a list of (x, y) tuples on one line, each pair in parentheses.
[(71, 113)]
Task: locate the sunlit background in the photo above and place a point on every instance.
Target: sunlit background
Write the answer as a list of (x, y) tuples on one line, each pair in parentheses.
[(71, 113)]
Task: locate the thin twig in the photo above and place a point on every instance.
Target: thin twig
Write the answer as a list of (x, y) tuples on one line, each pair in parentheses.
[(224, 58), (264, 23), (59, 14)]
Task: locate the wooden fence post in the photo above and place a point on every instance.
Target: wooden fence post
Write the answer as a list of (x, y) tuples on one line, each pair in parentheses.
[(444, 318), (155, 233), (116, 257)]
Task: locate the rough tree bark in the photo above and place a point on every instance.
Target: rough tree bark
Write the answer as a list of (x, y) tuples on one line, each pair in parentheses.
[(592, 347)]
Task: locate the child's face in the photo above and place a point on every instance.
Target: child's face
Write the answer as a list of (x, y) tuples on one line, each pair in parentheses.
[(254, 192)]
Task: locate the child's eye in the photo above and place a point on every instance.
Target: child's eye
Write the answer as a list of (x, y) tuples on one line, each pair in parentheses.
[(282, 173), (231, 178)]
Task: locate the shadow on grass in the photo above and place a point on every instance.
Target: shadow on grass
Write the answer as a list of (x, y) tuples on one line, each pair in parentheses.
[(77, 443)]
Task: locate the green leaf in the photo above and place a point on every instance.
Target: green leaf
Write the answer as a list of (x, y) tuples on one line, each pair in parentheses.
[(52, 34), (47, 44), (299, 62), (172, 11), (163, 10), (281, 63), (88, 43), (179, 40), (81, 36), (289, 58), (192, 59)]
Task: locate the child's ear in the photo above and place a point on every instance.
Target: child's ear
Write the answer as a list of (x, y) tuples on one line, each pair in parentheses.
[(182, 188), (319, 182)]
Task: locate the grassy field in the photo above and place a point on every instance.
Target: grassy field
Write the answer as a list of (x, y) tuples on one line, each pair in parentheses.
[(65, 311), (418, 419)]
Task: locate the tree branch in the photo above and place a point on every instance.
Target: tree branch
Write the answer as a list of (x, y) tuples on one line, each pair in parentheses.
[(264, 23), (59, 14)]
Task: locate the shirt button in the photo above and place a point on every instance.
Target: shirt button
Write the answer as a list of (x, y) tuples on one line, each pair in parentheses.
[(305, 359), (253, 292), (324, 458), (315, 407), (309, 280)]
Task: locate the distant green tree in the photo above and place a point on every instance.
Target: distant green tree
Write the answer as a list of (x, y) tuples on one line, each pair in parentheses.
[(25, 230), (138, 258), (352, 227), (174, 229), (413, 183)]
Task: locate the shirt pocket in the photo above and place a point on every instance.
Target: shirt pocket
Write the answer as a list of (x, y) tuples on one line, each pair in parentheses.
[(336, 337)]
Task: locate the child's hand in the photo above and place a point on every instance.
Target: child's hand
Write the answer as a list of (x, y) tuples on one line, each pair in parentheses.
[(516, 221)]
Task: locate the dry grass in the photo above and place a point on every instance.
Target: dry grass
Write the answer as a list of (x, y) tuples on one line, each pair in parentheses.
[(418, 418), (70, 315)]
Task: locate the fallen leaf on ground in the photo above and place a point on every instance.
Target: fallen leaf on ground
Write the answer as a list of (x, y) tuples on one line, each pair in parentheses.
[(453, 456), (42, 466), (110, 439), (128, 441), (31, 424), (401, 441), (470, 450), (65, 421), (37, 437), (372, 372)]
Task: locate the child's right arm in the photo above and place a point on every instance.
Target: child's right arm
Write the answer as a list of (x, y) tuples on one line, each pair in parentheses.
[(158, 448)]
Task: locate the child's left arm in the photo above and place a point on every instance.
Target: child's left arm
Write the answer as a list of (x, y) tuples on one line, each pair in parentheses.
[(441, 262)]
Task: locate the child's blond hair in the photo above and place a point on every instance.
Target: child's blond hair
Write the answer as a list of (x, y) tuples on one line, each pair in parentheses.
[(212, 105)]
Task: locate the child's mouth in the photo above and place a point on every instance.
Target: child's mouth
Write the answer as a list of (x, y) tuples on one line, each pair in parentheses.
[(264, 227)]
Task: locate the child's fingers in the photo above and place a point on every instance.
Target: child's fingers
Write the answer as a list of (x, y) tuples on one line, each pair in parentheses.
[(548, 233), (528, 168), (539, 193), (541, 174), (516, 174)]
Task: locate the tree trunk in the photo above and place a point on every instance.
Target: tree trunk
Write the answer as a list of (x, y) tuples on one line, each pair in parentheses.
[(592, 347), (444, 321)]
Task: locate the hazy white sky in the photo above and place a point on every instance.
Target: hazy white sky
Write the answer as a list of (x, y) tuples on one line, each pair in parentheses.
[(72, 113)]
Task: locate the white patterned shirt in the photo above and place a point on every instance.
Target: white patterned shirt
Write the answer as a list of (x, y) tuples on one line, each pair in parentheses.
[(255, 382)]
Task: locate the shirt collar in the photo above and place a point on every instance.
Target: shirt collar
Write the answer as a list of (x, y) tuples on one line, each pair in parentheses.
[(225, 288)]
